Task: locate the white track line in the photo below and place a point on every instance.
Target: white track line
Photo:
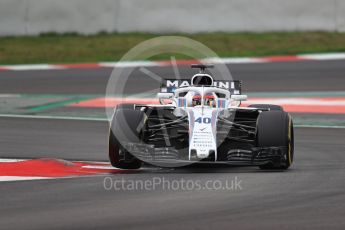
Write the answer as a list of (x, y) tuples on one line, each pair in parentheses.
[(32, 67), (326, 56), (52, 117), (234, 60), (5, 160), (127, 64), (21, 178), (98, 167)]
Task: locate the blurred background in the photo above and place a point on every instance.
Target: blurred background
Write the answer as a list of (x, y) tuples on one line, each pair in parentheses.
[(32, 17), (88, 31)]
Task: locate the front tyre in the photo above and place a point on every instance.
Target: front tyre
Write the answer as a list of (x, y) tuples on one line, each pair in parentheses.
[(125, 128), (275, 129)]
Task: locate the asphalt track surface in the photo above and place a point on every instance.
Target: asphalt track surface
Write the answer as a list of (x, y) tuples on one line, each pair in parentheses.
[(270, 77), (308, 196)]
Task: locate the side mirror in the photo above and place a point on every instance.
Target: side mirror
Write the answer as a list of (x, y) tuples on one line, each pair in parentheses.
[(239, 97), (165, 95)]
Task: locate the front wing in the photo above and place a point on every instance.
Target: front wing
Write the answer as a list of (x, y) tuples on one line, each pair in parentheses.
[(169, 155)]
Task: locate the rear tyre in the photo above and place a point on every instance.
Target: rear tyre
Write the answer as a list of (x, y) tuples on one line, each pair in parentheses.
[(275, 128), (267, 106), (125, 127)]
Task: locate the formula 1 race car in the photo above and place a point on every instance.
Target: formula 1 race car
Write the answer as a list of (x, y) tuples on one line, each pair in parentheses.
[(201, 121)]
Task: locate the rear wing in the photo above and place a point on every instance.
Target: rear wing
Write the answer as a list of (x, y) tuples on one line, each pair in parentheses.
[(170, 85)]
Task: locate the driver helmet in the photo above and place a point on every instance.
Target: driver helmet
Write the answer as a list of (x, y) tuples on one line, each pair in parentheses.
[(196, 100), (210, 100)]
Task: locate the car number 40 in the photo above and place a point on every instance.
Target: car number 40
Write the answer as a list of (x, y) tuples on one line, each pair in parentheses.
[(205, 120)]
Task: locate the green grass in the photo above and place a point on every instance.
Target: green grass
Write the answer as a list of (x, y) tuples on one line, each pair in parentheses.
[(73, 48)]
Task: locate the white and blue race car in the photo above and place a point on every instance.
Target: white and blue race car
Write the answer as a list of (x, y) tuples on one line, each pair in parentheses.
[(201, 121)]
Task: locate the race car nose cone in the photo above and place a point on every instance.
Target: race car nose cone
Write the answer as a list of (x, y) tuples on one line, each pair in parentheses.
[(202, 153), (199, 154)]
